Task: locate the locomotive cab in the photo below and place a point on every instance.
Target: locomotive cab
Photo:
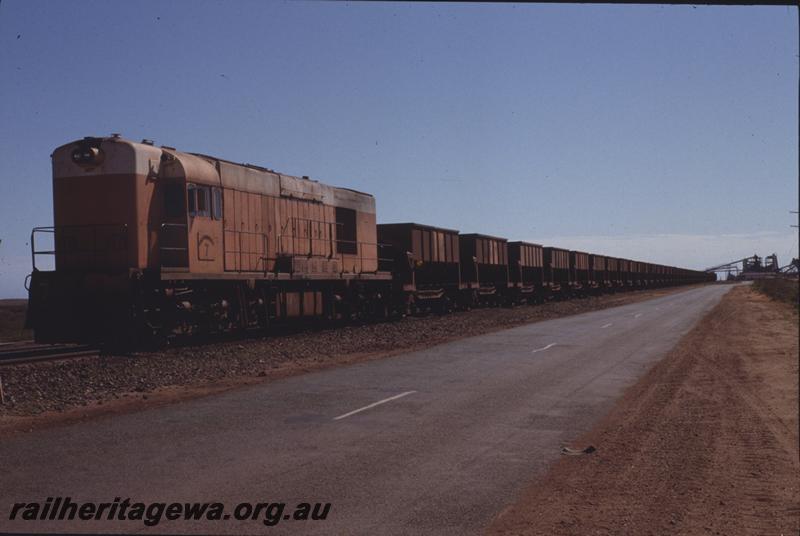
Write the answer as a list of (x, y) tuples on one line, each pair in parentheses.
[(102, 192)]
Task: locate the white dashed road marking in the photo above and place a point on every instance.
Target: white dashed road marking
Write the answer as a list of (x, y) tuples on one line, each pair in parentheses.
[(378, 403), (606, 326), (543, 349)]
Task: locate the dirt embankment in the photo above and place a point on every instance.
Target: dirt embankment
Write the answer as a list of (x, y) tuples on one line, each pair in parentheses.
[(705, 443), (34, 392), (782, 289)]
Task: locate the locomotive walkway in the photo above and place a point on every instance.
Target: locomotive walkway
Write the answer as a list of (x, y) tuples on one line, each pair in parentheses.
[(435, 441)]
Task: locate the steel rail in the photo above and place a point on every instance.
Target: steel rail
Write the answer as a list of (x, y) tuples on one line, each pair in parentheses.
[(23, 354)]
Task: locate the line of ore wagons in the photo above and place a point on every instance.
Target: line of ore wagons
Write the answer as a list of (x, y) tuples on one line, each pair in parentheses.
[(432, 263), (168, 241)]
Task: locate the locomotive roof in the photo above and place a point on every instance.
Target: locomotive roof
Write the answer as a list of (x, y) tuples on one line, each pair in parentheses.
[(266, 170), (145, 158)]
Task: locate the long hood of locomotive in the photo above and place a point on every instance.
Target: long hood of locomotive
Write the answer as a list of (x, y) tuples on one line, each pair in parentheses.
[(121, 157)]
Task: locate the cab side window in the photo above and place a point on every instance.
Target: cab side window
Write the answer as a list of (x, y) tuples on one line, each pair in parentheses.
[(199, 200), (203, 201), (192, 197)]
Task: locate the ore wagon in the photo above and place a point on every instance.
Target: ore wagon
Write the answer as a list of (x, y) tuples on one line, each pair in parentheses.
[(484, 267), (613, 273), (557, 271), (637, 273), (526, 271), (626, 279), (425, 265), (598, 272), (579, 271)]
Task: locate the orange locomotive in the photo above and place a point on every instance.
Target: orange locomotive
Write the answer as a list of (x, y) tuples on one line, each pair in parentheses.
[(150, 241)]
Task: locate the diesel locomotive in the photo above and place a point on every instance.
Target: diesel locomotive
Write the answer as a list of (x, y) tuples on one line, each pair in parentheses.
[(150, 242)]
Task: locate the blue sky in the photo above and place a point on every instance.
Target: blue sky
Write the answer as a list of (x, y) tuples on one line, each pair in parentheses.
[(663, 133)]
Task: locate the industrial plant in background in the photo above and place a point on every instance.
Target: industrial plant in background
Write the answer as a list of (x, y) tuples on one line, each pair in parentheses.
[(755, 267)]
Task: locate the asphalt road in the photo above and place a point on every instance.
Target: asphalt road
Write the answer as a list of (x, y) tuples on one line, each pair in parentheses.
[(444, 439)]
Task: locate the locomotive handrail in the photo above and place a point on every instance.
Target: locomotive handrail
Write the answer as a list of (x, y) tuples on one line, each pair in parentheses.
[(167, 224), (361, 256), (331, 236), (171, 248), (331, 239), (35, 230), (94, 250), (240, 251), (183, 249)]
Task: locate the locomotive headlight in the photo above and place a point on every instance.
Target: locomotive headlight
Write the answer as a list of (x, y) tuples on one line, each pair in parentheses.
[(87, 156)]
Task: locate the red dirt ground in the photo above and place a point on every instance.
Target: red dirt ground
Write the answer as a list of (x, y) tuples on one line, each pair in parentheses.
[(705, 443)]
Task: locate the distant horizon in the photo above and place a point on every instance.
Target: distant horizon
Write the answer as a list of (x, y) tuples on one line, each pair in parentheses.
[(666, 134)]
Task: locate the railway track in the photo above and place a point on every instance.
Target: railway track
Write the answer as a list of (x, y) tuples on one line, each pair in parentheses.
[(29, 352)]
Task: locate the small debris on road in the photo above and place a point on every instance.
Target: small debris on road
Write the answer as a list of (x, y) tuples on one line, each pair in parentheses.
[(577, 452)]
